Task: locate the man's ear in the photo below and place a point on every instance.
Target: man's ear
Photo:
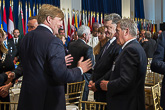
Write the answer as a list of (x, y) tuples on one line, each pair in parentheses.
[(48, 19), (126, 31), (84, 35)]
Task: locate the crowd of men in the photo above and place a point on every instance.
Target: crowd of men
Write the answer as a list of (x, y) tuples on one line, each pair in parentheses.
[(117, 76)]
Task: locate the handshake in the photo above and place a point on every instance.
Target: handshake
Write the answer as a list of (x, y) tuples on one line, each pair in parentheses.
[(103, 85), (10, 75)]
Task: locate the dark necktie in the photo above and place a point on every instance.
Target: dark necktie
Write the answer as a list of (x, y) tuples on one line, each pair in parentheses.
[(15, 41), (105, 48)]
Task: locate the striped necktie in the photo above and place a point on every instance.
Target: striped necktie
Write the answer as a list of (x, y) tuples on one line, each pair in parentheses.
[(5, 44)]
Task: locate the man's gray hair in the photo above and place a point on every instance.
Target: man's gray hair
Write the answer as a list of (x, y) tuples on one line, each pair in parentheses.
[(114, 17), (130, 24), (147, 34), (83, 30)]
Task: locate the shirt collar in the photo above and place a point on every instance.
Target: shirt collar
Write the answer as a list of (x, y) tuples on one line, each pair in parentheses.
[(114, 38), (83, 41), (46, 27), (127, 42)]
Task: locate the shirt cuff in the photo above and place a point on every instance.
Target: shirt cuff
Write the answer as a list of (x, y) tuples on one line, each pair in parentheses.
[(81, 70)]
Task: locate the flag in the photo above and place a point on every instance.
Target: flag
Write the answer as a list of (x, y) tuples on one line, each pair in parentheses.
[(26, 17), (21, 26), (4, 20), (80, 19), (68, 28), (76, 24), (154, 28), (37, 9), (72, 28), (102, 21), (34, 13), (0, 18), (10, 24), (83, 18), (30, 13), (93, 19), (89, 20)]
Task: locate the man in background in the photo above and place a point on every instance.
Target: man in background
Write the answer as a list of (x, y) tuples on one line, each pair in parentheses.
[(32, 23)]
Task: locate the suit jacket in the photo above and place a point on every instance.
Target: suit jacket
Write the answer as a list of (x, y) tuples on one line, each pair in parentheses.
[(44, 71), (149, 47), (12, 49), (126, 83), (102, 66), (78, 49), (17, 46), (158, 64), (6, 65)]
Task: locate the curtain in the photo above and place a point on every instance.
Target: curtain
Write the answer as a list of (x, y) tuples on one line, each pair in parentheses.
[(102, 6), (139, 9), (32, 2)]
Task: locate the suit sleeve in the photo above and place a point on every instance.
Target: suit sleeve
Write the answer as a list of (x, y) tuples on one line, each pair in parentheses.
[(3, 78), (90, 55), (158, 62), (128, 72), (105, 77), (57, 66)]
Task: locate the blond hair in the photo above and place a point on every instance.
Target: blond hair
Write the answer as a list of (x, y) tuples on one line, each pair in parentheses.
[(3, 49), (49, 10), (60, 36)]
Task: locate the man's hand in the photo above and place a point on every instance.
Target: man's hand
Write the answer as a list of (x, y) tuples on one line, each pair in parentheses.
[(4, 91), (68, 60), (10, 77), (91, 86), (85, 65), (103, 85)]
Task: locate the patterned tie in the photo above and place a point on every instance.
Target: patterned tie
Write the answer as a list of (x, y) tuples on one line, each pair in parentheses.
[(105, 48), (5, 44)]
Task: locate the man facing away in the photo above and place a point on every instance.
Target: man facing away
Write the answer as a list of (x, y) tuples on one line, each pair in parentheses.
[(44, 68), (80, 48)]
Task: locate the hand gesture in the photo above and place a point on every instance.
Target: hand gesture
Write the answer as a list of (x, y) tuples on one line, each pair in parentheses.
[(85, 65), (68, 60), (4, 90), (10, 77), (103, 85), (91, 86)]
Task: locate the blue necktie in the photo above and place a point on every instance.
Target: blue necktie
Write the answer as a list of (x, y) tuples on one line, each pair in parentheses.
[(5, 44), (120, 50)]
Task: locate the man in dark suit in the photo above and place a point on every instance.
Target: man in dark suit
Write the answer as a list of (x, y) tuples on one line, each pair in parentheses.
[(80, 48), (9, 44), (158, 64), (43, 60), (149, 45), (125, 88), (106, 57)]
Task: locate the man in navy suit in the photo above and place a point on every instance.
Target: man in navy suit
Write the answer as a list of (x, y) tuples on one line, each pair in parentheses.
[(158, 64), (80, 48), (43, 60), (106, 57), (125, 85)]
